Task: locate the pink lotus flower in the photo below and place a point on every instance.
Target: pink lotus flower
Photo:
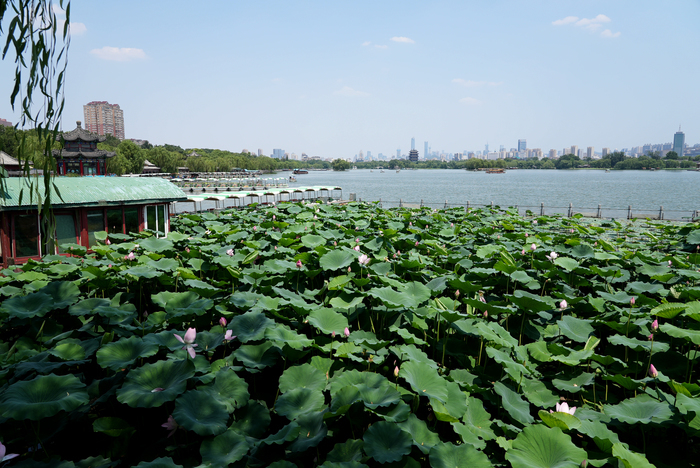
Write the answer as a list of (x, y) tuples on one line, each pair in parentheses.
[(452, 224), (130, 256), (655, 325), (255, 228), (564, 408), (170, 425), (223, 322), (523, 252), (416, 243), (107, 242), (274, 217), (333, 334), (4, 456), (357, 240), (335, 243), (534, 222), (410, 223), (189, 343), (563, 304), (363, 259), (349, 269), (632, 301), (572, 230), (396, 371), (228, 336), (670, 264), (650, 337), (533, 247), (653, 372), (346, 332), (552, 256), (298, 263), (526, 234), (229, 252), (398, 252), (357, 248), (457, 293), (486, 314)]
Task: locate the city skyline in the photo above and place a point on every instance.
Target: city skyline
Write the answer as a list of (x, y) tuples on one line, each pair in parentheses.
[(556, 72)]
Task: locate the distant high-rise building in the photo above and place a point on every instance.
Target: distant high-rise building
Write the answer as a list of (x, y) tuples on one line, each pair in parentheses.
[(486, 150), (260, 151), (413, 155), (278, 153), (552, 154), (398, 153), (679, 142), (590, 152), (413, 143), (426, 150), (369, 155), (574, 150), (522, 145), (104, 118), (5, 123)]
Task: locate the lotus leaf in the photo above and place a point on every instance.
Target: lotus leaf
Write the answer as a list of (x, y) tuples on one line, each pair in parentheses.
[(298, 402), (387, 442), (628, 458), (257, 356), (196, 411), (113, 427), (640, 409), (518, 409), (153, 244), (63, 293), (30, 306), (284, 335), (154, 384), (575, 329), (328, 321), (448, 455), (336, 259), (348, 451), (542, 447), (164, 462), (42, 397), (424, 380), (224, 449), (312, 431), (303, 376), (229, 389), (252, 420), (423, 438)]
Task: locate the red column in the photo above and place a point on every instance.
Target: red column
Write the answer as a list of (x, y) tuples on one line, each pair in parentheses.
[(81, 168)]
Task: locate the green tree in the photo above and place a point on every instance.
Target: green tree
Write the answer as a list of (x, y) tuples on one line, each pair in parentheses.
[(133, 155), (340, 165), (111, 141), (671, 155)]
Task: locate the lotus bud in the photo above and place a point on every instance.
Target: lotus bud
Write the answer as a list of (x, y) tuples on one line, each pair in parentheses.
[(653, 372), (563, 304), (584, 463), (229, 252), (650, 337), (457, 293), (632, 301), (349, 269), (670, 263), (222, 321), (396, 371), (357, 241), (298, 263), (655, 325), (526, 234), (486, 314), (333, 334), (346, 332), (357, 248), (416, 243), (533, 247)]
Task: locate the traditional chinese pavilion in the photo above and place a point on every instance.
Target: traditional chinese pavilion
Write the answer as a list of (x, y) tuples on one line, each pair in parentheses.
[(80, 155)]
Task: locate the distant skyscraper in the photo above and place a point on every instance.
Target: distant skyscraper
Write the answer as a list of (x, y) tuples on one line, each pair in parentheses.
[(413, 143), (679, 142), (278, 153), (398, 153), (369, 155), (552, 154), (486, 151), (260, 151), (522, 145), (606, 151), (589, 152), (104, 118), (425, 149), (574, 150)]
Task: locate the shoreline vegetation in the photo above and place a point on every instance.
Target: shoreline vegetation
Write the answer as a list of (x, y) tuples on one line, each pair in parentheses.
[(305, 335)]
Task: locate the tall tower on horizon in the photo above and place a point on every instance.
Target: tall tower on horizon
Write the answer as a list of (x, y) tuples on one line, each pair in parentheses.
[(679, 142), (413, 143), (522, 145), (425, 150), (104, 118)]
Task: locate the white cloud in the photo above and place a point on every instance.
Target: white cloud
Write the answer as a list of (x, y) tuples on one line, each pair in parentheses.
[(76, 29), (588, 21), (381, 46), (366, 43), (474, 84), (348, 91), (608, 33), (567, 20), (405, 40), (469, 101), (119, 54)]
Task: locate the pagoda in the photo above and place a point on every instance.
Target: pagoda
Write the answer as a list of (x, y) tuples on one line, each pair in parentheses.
[(80, 156)]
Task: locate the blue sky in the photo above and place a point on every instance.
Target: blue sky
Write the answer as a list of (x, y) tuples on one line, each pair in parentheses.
[(333, 78)]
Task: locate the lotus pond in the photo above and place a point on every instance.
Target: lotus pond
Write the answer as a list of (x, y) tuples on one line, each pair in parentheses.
[(354, 336)]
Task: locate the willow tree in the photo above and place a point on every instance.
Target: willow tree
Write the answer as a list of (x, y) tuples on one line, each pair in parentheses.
[(38, 43)]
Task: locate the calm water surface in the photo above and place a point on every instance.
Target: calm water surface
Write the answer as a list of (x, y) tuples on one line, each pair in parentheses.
[(645, 191)]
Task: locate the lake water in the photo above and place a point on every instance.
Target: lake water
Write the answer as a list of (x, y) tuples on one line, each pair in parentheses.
[(645, 191)]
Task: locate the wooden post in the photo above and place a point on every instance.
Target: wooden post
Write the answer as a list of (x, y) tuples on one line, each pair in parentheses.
[(467, 209), (629, 211), (571, 210), (542, 209), (599, 214), (661, 212)]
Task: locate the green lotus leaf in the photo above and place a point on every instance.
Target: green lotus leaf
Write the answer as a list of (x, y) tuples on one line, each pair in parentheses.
[(164, 462), (639, 287), (208, 341), (563, 421), (640, 409), (63, 293), (423, 438), (124, 314), (68, 350), (284, 335), (201, 287), (282, 464), (250, 326), (224, 449), (676, 332), (628, 458), (424, 380), (348, 451), (157, 245), (373, 397), (568, 264), (302, 376), (583, 251), (478, 420), (668, 310), (343, 398), (518, 409), (541, 447), (182, 303), (154, 384), (643, 345), (197, 411), (164, 264), (448, 455), (141, 271), (575, 329), (229, 389), (257, 356), (454, 408), (252, 420), (346, 301), (87, 306), (312, 431), (124, 352), (62, 269), (32, 305), (538, 394), (298, 402), (42, 397), (620, 297), (685, 403), (312, 241), (575, 384), (603, 437), (387, 442), (392, 298), (467, 436), (113, 427), (336, 259), (350, 464), (328, 321)]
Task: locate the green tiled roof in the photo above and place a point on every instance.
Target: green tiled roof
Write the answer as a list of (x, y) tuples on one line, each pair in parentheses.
[(92, 191)]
